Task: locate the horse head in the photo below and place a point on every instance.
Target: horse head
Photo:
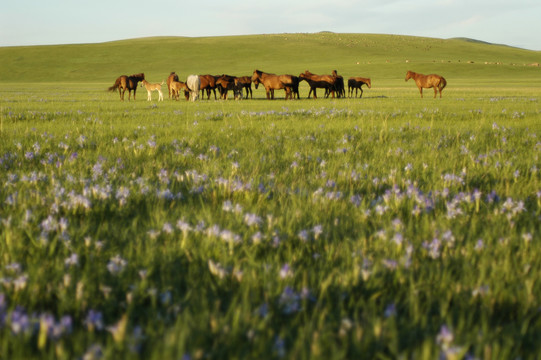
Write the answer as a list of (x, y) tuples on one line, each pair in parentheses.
[(369, 83), (409, 75)]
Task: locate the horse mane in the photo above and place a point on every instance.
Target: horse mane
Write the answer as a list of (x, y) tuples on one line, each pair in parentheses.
[(138, 76)]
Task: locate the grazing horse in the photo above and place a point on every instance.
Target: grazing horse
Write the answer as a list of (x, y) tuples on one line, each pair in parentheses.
[(153, 87), (224, 83), (208, 83), (427, 81), (176, 86), (172, 77), (326, 82), (273, 82), (194, 85), (357, 83), (129, 83)]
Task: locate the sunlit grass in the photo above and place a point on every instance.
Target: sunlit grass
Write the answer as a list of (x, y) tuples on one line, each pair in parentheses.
[(378, 228)]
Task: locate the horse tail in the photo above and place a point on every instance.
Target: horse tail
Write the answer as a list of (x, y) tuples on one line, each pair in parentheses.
[(115, 86), (443, 83)]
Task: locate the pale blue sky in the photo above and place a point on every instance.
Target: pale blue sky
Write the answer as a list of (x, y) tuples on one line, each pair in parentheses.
[(38, 22)]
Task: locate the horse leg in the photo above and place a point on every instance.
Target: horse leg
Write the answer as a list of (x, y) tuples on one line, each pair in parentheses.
[(421, 91), (435, 91), (160, 98), (361, 92)]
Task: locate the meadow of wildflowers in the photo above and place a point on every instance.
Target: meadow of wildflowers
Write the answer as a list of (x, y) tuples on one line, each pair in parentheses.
[(387, 227)]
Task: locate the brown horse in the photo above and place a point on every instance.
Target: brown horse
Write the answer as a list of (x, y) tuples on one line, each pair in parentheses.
[(326, 82), (356, 83), (427, 81), (172, 77), (129, 83), (273, 82), (208, 83)]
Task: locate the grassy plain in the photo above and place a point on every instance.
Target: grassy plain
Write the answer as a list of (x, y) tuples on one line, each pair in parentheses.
[(380, 228)]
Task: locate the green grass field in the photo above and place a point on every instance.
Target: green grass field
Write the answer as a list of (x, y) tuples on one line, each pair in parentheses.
[(387, 227)]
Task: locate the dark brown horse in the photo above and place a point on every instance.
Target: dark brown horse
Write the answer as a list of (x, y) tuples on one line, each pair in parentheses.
[(129, 83), (326, 82), (225, 83), (208, 83), (172, 77), (273, 82), (338, 84), (427, 81), (356, 83), (246, 82)]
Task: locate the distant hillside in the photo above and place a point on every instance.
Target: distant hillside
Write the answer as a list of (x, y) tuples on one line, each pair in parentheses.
[(381, 56)]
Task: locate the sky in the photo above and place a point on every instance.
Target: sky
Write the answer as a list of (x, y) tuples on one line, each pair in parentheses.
[(38, 22)]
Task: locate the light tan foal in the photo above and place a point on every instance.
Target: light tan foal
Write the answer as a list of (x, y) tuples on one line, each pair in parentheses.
[(153, 87)]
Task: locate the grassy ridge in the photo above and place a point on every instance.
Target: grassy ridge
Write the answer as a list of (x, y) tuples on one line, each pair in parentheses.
[(385, 57)]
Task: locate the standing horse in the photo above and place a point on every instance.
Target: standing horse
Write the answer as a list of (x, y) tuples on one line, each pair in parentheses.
[(356, 83), (273, 82), (246, 83), (427, 81), (172, 77), (327, 82), (153, 87), (338, 84), (129, 83), (208, 83), (194, 84)]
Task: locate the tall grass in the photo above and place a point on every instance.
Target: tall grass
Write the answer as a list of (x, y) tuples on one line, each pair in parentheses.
[(387, 227)]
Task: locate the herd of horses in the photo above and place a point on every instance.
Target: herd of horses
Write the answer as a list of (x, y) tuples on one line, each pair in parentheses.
[(333, 85)]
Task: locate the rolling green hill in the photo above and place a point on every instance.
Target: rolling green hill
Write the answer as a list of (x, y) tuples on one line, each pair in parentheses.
[(384, 57)]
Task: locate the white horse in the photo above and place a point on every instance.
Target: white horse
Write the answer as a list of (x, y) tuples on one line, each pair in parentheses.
[(194, 85), (153, 87)]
